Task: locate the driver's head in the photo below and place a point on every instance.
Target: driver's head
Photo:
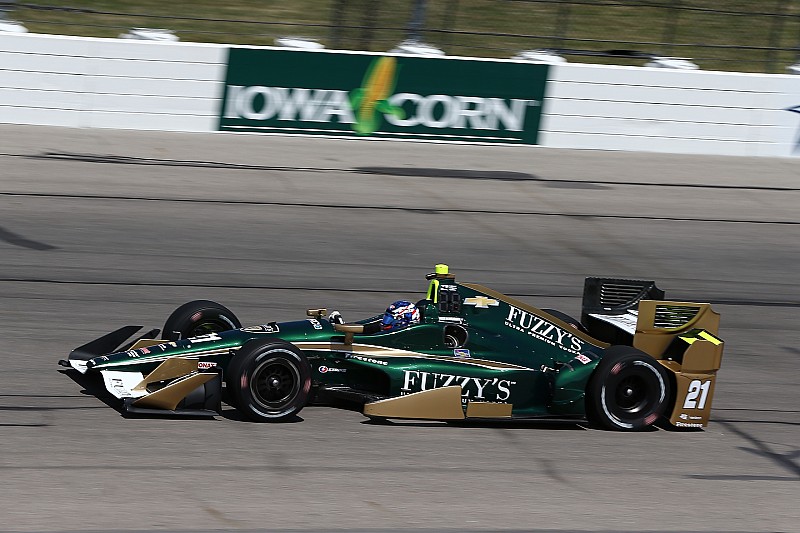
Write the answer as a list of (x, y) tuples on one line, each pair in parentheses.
[(400, 314)]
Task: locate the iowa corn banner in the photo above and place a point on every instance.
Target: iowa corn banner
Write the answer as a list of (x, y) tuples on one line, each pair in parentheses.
[(367, 95)]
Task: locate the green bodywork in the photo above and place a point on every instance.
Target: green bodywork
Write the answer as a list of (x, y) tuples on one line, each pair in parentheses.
[(496, 348)]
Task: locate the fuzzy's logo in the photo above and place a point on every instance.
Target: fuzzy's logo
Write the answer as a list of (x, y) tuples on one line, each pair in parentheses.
[(373, 96), (541, 329), (473, 388)]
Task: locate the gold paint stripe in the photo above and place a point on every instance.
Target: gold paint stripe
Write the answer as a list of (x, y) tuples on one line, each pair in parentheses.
[(379, 351)]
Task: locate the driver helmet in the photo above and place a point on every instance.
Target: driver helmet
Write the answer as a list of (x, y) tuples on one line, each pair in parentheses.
[(400, 314)]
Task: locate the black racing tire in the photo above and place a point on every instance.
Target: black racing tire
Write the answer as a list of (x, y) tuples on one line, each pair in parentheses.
[(628, 391), (269, 381), (199, 317), (207, 396), (564, 317)]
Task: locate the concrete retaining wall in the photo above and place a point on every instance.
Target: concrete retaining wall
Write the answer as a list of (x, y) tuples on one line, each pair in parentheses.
[(646, 109), (110, 83), (126, 84)]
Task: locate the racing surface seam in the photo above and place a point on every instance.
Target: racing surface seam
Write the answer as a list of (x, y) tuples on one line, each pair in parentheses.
[(378, 171), (398, 208), (720, 301), (410, 530)]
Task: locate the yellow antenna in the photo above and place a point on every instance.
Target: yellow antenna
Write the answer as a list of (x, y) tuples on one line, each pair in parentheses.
[(439, 271)]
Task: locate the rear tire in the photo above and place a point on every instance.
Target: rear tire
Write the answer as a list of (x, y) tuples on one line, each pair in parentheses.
[(564, 317), (628, 391), (199, 317), (269, 381)]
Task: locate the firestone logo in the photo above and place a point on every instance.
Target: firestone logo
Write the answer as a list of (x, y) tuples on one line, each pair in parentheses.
[(688, 425), (363, 108)]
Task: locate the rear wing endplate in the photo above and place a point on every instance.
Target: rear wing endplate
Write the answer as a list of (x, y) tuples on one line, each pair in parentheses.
[(682, 336)]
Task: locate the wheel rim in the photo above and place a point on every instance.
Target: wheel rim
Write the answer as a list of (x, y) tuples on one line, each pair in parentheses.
[(275, 383), (631, 395), (635, 393)]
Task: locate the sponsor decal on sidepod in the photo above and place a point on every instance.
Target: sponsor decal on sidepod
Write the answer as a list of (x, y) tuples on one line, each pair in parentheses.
[(487, 389), (326, 369), (539, 328)]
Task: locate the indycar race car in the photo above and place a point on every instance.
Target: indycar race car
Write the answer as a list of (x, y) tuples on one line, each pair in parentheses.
[(473, 354)]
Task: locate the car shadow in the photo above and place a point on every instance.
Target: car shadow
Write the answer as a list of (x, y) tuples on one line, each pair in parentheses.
[(556, 425), (93, 386), (231, 413)]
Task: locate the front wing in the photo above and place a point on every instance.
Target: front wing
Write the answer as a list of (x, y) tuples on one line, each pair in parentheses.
[(178, 386)]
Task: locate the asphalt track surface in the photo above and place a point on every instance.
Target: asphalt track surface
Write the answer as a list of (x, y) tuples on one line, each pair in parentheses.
[(100, 228)]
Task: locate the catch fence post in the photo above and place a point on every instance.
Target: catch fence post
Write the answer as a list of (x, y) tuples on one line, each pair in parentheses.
[(417, 21)]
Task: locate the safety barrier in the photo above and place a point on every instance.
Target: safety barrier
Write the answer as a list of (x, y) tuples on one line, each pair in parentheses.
[(648, 109), (110, 83), (126, 84)]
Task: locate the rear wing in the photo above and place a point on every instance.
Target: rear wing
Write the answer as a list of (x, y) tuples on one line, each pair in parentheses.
[(610, 307), (617, 296), (682, 336)]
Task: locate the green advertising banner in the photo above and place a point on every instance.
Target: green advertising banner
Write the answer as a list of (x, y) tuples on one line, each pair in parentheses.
[(356, 94)]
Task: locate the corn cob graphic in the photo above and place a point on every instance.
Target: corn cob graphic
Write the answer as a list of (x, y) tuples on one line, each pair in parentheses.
[(371, 98)]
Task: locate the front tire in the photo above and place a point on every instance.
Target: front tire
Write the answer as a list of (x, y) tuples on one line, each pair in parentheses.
[(629, 390), (199, 317), (269, 381)]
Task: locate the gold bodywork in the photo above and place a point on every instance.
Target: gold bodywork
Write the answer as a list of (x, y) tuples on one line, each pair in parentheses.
[(170, 369), (690, 351), (655, 340), (145, 343), (488, 410), (349, 330), (170, 396), (443, 403), (187, 378)]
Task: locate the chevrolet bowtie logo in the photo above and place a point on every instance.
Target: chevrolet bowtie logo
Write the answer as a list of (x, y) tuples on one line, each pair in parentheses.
[(481, 302)]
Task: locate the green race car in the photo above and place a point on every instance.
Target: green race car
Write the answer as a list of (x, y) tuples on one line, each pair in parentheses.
[(471, 354)]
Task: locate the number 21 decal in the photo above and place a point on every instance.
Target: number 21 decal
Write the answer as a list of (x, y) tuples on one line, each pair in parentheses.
[(697, 388)]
